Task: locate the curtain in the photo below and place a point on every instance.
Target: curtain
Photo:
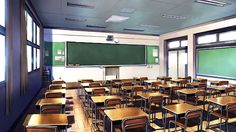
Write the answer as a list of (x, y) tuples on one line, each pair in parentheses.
[(23, 49)]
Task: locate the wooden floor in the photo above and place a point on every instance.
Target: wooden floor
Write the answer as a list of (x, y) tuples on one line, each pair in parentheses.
[(80, 123)]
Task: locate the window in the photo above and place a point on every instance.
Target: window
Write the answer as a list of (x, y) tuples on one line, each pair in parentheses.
[(227, 36), (206, 39), (2, 40), (33, 43), (174, 44), (184, 43)]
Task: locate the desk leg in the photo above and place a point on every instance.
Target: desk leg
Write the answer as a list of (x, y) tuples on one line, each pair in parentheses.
[(111, 126), (165, 120), (221, 112), (175, 122), (208, 116)]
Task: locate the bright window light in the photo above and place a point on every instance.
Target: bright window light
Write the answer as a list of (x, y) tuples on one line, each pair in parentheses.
[(29, 58), (2, 12), (184, 43), (38, 35), (29, 27), (174, 44), (38, 58), (34, 33), (227, 36), (35, 58), (206, 39), (2, 58)]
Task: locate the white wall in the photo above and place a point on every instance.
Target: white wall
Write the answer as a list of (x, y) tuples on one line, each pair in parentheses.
[(190, 32), (97, 73)]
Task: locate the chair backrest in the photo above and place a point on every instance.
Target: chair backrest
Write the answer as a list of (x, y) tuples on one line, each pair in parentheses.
[(98, 92), (231, 106), (202, 86), (183, 82), (86, 80), (134, 123), (41, 129), (95, 84), (58, 81), (230, 89), (51, 109), (203, 81), (112, 102), (174, 89), (224, 83), (156, 84), (157, 100), (116, 80), (72, 84), (193, 114), (55, 86), (54, 95), (201, 93), (127, 84), (189, 78), (143, 79), (137, 89)]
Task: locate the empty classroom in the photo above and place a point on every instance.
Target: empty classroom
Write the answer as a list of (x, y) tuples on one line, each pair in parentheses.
[(117, 65)]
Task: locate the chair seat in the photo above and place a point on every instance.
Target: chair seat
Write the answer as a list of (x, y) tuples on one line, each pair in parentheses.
[(181, 122), (131, 130), (217, 113)]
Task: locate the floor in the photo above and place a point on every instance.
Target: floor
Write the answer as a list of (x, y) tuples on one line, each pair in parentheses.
[(80, 123)]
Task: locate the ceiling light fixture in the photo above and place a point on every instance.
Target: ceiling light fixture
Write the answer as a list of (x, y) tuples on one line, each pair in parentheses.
[(212, 2), (115, 18), (80, 5), (174, 17), (75, 20), (149, 26), (95, 26), (133, 29)]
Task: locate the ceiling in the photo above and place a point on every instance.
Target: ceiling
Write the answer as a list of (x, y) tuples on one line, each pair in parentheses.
[(144, 15)]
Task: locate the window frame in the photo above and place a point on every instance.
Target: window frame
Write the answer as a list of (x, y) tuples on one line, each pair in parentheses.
[(3, 33)]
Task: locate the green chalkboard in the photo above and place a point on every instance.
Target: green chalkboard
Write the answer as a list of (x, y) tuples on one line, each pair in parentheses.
[(104, 54), (217, 62), (54, 54), (152, 54)]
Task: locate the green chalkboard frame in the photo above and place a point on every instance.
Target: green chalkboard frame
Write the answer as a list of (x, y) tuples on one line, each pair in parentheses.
[(151, 59), (54, 53), (217, 62)]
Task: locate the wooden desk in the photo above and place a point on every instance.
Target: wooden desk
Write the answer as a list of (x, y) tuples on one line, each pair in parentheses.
[(199, 79), (221, 89), (63, 91), (214, 82), (123, 113), (145, 96), (221, 102), (186, 93), (85, 85), (193, 84), (59, 120), (164, 78), (150, 81), (129, 88), (178, 109), (89, 90), (168, 87), (49, 101), (101, 99)]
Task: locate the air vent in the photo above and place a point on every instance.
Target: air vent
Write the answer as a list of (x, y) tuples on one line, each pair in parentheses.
[(95, 26), (149, 26), (173, 17), (133, 29), (212, 2), (79, 5), (75, 20)]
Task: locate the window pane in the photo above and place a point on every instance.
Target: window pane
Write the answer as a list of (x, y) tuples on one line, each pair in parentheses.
[(184, 43), (29, 27), (35, 58), (2, 12), (174, 44), (34, 33), (38, 58), (2, 58), (226, 36), (38, 35), (29, 58), (206, 39)]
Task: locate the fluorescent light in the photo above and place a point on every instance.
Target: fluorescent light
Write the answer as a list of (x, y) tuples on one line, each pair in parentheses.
[(95, 26), (149, 26), (115, 18), (75, 20), (133, 29), (212, 2), (173, 17), (80, 5)]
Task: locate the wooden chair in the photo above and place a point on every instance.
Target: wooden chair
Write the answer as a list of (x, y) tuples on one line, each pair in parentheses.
[(174, 93), (200, 98), (41, 129), (51, 109), (223, 83), (95, 84), (98, 92), (86, 80), (55, 86), (127, 83), (134, 124), (142, 79), (155, 104), (135, 98), (191, 118), (58, 82), (72, 85), (183, 83), (230, 90), (54, 95), (155, 86), (227, 114)]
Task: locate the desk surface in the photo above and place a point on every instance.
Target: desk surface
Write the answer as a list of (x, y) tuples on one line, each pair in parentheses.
[(56, 91), (147, 95), (167, 85), (222, 101), (46, 120), (176, 80), (101, 99), (89, 90), (180, 108), (220, 88), (199, 79), (122, 113), (193, 83), (151, 81), (84, 84), (130, 87), (188, 91), (41, 102)]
